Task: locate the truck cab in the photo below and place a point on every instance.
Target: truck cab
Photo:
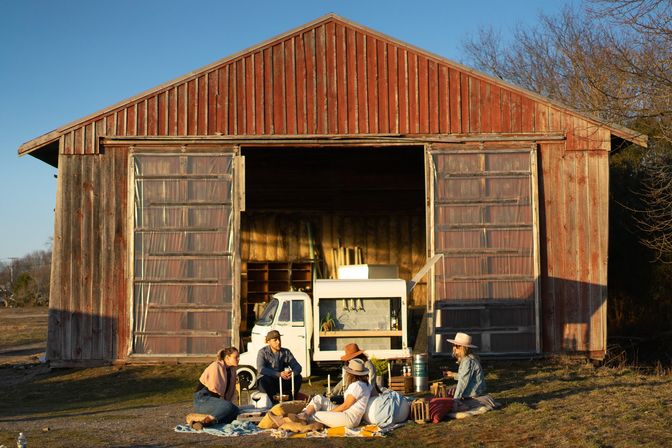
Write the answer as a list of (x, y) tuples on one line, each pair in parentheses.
[(290, 313)]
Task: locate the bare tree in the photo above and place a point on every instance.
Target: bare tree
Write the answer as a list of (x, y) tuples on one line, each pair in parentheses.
[(612, 59)]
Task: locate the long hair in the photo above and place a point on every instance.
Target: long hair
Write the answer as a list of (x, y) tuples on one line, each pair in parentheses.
[(223, 353), (350, 378)]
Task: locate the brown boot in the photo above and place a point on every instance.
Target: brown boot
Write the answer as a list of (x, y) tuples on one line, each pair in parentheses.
[(197, 421)]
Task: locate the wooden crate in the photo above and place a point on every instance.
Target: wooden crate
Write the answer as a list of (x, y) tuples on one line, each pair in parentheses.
[(402, 384)]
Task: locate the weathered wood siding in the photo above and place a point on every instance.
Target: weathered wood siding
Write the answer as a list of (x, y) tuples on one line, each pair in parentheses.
[(88, 309), (574, 210), (330, 78), (384, 239)]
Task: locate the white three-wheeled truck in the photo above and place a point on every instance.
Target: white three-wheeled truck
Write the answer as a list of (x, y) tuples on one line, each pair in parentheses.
[(360, 308)]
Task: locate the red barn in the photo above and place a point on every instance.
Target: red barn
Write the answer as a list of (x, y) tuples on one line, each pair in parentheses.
[(182, 208)]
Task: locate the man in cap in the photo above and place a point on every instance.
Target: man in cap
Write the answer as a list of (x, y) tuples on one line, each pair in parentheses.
[(276, 364)]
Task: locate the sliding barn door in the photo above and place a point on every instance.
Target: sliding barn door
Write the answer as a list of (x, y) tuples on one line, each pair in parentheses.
[(485, 224), (185, 229)]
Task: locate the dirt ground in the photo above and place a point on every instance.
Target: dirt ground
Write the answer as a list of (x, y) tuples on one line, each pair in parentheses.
[(547, 403)]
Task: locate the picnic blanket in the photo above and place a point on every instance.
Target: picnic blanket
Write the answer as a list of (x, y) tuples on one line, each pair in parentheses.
[(340, 431), (233, 429)]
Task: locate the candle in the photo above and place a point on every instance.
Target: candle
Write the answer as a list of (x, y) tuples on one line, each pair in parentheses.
[(293, 397), (328, 384), (389, 375), (280, 379)]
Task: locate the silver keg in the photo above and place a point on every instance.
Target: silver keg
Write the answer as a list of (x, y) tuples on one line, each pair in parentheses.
[(420, 372)]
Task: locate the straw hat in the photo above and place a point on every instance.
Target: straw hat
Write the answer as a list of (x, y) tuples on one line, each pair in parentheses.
[(351, 351), (356, 367), (462, 339)]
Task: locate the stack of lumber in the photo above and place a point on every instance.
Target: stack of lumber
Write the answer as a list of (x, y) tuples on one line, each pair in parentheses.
[(344, 256), (402, 384)]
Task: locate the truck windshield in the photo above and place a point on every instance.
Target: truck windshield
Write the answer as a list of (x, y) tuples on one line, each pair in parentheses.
[(267, 316)]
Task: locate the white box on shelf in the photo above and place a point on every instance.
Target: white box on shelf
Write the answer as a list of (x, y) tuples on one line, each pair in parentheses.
[(368, 271)]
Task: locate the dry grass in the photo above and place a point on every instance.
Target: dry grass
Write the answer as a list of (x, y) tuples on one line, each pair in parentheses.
[(546, 403), (560, 402), (22, 326)]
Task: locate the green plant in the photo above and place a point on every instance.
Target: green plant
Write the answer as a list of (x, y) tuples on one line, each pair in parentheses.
[(381, 365), (327, 323)]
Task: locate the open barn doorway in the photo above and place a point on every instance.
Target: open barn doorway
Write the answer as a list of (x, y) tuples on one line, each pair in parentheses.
[(304, 203)]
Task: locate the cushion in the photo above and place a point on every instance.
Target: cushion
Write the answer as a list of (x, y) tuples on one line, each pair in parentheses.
[(439, 408)]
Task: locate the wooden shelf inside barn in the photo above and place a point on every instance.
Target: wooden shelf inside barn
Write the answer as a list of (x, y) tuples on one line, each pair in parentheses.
[(360, 333), (262, 279)]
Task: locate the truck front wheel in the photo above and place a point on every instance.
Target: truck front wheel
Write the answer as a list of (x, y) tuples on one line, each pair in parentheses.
[(247, 377)]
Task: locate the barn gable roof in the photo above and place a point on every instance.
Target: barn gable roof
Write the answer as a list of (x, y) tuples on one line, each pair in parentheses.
[(330, 76)]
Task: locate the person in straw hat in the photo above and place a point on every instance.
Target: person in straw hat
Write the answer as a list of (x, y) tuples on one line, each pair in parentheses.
[(355, 399), (352, 351), (470, 397)]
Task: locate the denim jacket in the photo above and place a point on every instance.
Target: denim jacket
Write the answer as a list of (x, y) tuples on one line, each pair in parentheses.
[(470, 378), (271, 364)]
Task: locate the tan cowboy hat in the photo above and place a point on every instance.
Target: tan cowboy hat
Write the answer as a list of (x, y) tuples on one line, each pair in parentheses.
[(356, 367), (462, 339), (351, 351)]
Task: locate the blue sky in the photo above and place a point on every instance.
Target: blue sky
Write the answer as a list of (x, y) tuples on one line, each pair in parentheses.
[(62, 60)]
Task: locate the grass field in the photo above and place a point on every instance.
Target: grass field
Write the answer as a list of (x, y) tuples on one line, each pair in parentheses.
[(560, 402), (22, 326)]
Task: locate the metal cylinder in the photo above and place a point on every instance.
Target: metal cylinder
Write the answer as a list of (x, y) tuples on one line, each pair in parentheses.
[(420, 372)]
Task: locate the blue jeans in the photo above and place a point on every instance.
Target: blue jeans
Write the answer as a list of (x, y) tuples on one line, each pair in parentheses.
[(223, 410)]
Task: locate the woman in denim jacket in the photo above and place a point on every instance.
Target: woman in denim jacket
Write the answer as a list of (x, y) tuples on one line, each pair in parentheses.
[(470, 394)]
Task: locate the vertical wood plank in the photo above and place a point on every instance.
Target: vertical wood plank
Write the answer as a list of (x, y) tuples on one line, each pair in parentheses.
[(372, 87), (332, 88), (232, 113), (393, 88), (474, 86), (321, 67), (465, 103), (443, 94), (202, 106), (433, 94), (495, 106), (362, 84), (152, 119), (383, 103), (311, 83), (413, 96), (250, 93), (402, 58), (269, 94), (301, 86), (192, 104), (352, 81), (259, 93), (454, 98), (541, 123), (516, 113), (484, 105), (341, 81), (527, 115), (290, 88), (240, 97), (423, 96), (213, 102)]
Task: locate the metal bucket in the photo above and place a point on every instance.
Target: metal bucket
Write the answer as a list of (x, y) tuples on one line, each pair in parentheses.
[(420, 372)]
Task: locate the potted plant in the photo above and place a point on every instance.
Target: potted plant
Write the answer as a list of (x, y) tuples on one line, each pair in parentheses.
[(381, 366), (328, 323)]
